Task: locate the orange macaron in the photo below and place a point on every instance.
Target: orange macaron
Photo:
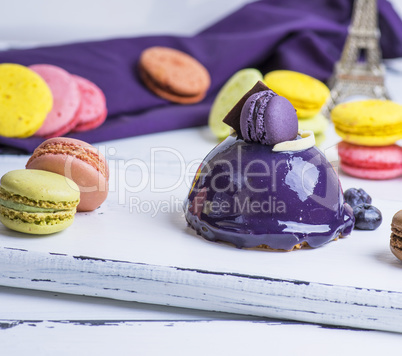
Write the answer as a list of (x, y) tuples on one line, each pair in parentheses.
[(173, 75), (78, 161)]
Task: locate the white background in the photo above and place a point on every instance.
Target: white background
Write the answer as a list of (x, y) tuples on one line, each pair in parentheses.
[(52, 21)]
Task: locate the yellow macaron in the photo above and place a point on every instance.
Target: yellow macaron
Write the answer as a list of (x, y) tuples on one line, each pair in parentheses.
[(25, 101), (372, 122), (307, 94)]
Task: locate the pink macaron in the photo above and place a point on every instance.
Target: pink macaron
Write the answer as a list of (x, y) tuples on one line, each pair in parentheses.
[(76, 160), (92, 111), (370, 162), (66, 100)]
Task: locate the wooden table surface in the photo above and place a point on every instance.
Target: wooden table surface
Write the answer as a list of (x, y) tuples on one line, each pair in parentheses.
[(44, 322), (362, 260)]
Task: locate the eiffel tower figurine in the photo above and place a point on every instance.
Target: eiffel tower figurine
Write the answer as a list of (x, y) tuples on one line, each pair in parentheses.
[(359, 71)]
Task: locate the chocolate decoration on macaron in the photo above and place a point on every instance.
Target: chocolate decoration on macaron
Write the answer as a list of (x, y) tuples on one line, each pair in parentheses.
[(268, 118), (263, 116), (233, 116)]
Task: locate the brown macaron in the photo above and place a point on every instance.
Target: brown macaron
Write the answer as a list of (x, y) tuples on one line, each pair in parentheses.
[(396, 235), (174, 75)]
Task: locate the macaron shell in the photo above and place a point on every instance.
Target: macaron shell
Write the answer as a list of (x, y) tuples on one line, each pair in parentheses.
[(367, 139), (299, 87), (79, 161), (93, 186), (92, 124), (66, 100), (396, 251), (280, 121), (169, 96), (174, 75), (367, 113), (307, 94), (317, 123), (175, 69), (371, 122), (40, 185), (25, 101), (371, 162), (371, 157), (92, 111), (374, 174), (303, 113), (53, 226), (230, 93), (319, 138), (396, 235)]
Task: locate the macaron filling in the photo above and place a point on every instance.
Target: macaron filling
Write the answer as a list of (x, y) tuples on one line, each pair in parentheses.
[(9, 198), (253, 115), (27, 208), (39, 219)]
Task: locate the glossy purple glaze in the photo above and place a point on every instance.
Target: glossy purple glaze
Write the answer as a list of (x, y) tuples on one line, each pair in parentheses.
[(245, 194)]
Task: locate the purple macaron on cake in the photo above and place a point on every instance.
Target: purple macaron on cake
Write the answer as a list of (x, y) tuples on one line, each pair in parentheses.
[(267, 186), (258, 121)]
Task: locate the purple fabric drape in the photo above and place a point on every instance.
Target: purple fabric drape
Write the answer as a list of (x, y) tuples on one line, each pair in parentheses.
[(305, 36)]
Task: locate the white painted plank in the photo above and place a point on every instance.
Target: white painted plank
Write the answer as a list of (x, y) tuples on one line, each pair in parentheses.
[(208, 290), (27, 304), (189, 338), (156, 258)]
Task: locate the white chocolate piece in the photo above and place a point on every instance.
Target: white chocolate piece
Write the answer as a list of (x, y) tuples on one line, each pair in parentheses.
[(306, 141)]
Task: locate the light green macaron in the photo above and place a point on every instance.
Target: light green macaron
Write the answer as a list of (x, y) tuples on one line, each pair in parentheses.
[(231, 92), (317, 123), (37, 202)]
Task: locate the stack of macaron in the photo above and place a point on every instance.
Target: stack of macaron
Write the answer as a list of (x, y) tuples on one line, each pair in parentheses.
[(45, 100), (370, 130), (62, 176), (307, 95)]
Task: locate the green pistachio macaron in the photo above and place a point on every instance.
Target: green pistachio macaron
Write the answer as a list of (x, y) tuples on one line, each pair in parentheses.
[(37, 202), (231, 92)]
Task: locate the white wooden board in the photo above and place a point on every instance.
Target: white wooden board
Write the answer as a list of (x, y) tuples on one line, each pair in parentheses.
[(89, 337), (137, 247)]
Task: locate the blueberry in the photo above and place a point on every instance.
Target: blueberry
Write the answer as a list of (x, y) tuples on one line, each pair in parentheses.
[(367, 217), (355, 197)]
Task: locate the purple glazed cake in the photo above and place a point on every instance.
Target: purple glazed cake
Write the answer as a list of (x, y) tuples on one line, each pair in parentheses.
[(253, 194)]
